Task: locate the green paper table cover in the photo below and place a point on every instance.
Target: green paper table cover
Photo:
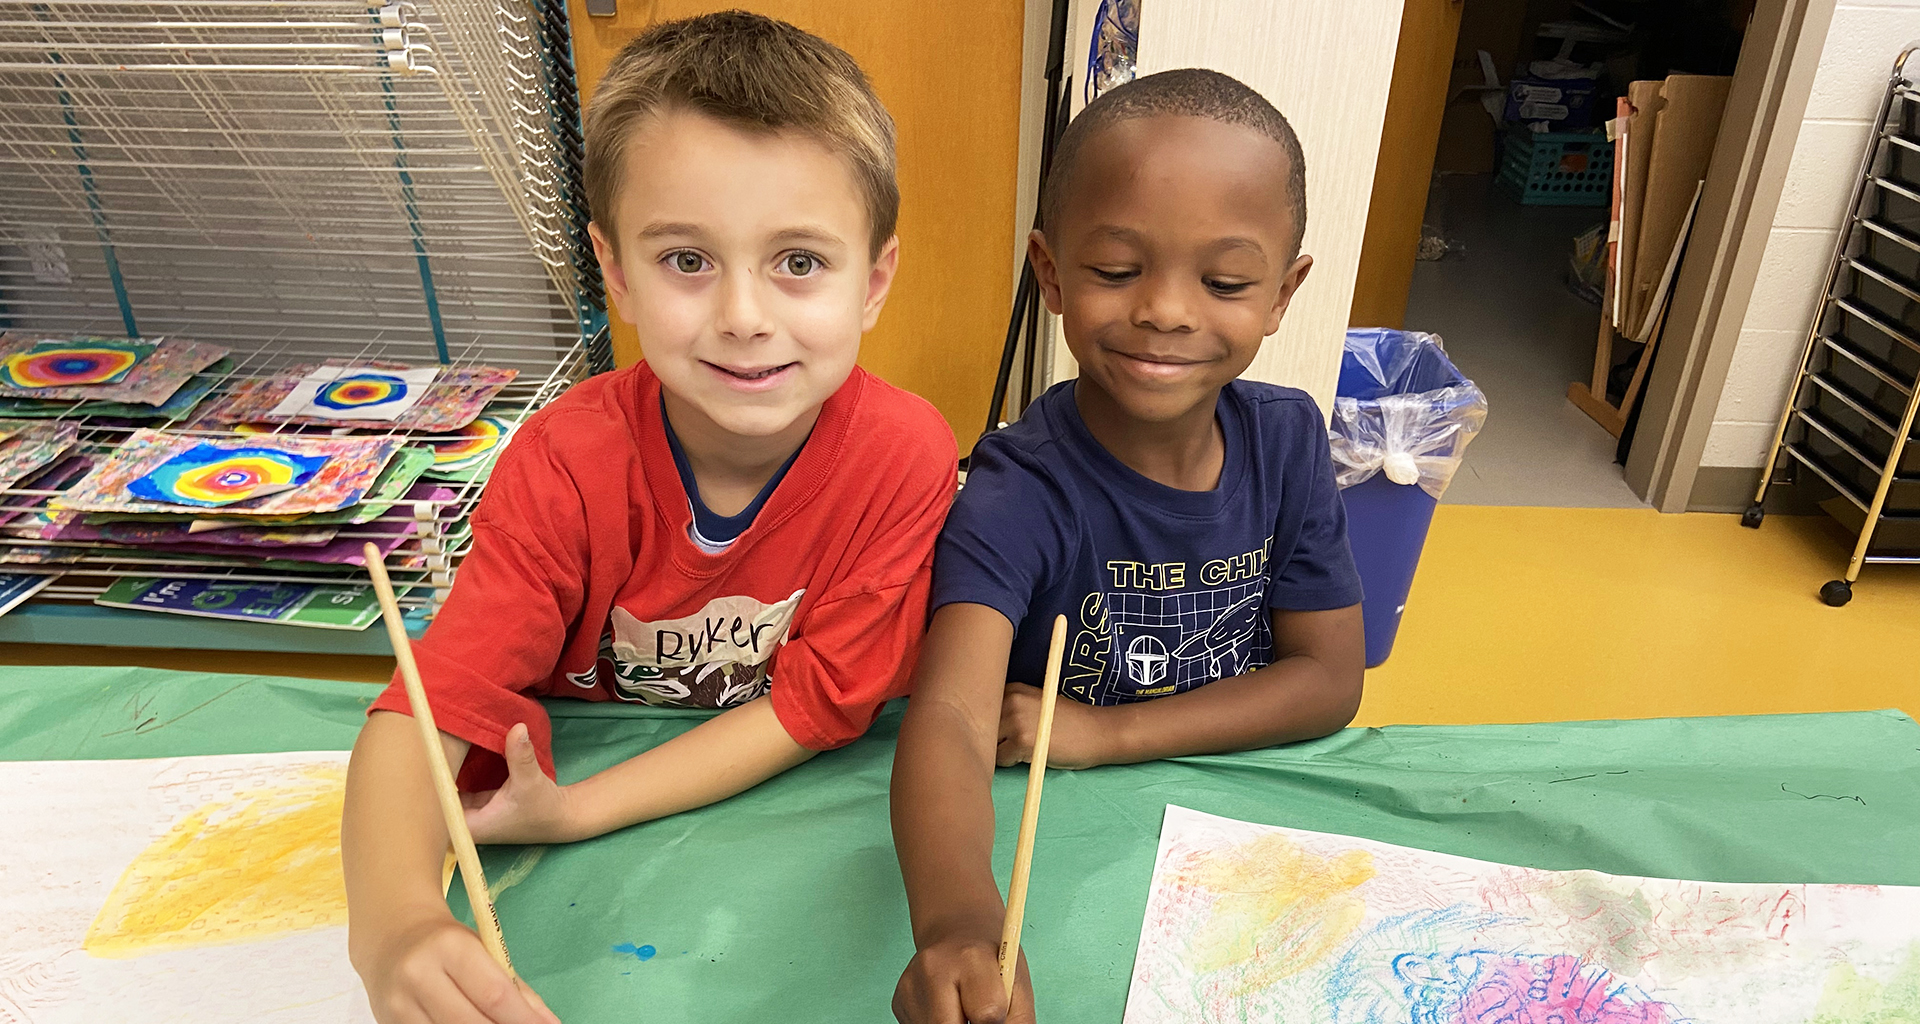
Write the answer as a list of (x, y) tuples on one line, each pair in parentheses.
[(785, 904)]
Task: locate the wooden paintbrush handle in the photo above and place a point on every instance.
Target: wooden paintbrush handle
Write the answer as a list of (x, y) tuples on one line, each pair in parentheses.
[(1030, 813), (443, 787)]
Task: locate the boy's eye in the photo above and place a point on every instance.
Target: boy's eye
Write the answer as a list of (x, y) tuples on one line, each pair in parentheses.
[(800, 264), (1114, 276), (1228, 287), (686, 261)]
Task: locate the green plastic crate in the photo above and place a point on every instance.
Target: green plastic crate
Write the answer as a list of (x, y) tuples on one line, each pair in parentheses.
[(1557, 168)]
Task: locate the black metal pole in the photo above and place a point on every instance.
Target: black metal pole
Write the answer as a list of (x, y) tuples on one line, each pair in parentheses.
[(1020, 300), (1026, 296), (1030, 354)]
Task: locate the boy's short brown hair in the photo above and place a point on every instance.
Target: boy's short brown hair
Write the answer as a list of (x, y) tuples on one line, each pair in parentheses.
[(757, 74)]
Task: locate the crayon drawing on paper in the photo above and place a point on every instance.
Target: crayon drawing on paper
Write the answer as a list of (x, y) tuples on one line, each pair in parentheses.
[(198, 888), (1255, 923)]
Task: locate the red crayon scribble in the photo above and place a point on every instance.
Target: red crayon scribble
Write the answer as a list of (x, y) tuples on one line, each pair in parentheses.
[(1786, 911)]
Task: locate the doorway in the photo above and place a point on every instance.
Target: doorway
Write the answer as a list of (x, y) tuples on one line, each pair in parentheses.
[(1513, 266)]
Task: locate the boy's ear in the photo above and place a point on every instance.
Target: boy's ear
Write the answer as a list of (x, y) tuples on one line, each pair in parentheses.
[(1045, 272), (1289, 283), (879, 281), (610, 271)]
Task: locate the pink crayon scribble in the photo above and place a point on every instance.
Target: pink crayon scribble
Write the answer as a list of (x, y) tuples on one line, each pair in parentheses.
[(1552, 990)]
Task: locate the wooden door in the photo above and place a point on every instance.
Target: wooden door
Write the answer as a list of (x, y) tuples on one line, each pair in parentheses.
[(1409, 134), (950, 75)]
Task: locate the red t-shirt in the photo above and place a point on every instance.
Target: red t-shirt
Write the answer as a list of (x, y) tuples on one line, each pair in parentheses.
[(583, 581)]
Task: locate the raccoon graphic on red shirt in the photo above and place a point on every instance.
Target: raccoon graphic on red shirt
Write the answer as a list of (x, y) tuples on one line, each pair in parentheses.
[(718, 657)]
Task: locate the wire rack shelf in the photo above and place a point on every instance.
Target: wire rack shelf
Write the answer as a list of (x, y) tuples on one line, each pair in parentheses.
[(298, 181)]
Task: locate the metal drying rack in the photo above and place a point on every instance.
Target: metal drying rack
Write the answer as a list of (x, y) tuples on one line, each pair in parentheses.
[(298, 181), (1847, 433)]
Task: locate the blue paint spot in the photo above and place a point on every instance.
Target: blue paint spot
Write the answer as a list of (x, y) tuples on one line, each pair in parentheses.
[(641, 953)]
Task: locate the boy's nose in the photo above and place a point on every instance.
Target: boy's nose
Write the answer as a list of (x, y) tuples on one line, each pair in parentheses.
[(1163, 306), (742, 315)]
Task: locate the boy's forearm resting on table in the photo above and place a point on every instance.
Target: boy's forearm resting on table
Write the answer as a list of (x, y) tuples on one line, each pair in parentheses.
[(727, 754), (730, 752)]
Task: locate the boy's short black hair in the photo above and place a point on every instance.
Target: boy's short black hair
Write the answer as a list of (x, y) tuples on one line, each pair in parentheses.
[(1191, 92)]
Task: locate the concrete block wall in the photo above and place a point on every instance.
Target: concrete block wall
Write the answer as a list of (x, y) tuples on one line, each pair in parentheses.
[(1860, 47)]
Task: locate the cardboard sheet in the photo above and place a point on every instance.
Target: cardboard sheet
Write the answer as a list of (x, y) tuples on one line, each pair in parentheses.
[(1686, 122)]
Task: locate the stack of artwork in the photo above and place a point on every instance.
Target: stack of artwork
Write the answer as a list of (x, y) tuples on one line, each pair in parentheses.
[(1249, 922), (157, 445), (301, 502), (198, 888), (158, 379), (427, 401)]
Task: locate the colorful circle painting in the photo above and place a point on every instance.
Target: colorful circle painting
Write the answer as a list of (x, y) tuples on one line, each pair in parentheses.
[(210, 476), (71, 364), (361, 390), (475, 439)]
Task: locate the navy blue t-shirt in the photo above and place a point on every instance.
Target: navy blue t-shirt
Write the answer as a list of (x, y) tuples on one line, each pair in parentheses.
[(1163, 589), (711, 529)]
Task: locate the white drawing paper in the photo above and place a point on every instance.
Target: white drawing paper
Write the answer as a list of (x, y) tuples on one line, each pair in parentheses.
[(202, 889), (1257, 923)]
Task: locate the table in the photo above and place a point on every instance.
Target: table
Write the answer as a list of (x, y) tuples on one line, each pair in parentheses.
[(784, 903)]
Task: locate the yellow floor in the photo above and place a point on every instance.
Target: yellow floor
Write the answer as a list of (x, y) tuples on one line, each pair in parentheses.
[(1548, 614), (1543, 614)]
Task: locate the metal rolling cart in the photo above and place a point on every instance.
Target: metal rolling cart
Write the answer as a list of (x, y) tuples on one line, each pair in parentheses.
[(297, 181), (1849, 420)]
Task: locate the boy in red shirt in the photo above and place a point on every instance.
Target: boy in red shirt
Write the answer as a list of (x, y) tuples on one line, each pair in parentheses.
[(744, 521)]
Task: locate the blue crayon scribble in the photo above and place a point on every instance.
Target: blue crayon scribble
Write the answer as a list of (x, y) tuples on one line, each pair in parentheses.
[(1362, 986), (641, 953)]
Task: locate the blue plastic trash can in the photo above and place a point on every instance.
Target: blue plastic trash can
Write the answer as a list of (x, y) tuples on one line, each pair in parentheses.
[(1402, 417)]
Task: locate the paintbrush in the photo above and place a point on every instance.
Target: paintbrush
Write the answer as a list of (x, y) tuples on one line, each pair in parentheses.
[(456, 818), (1030, 813)]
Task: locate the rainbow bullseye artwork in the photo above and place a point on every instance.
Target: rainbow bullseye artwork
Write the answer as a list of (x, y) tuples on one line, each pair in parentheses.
[(356, 393), (361, 390), (475, 442), (64, 364), (210, 476)]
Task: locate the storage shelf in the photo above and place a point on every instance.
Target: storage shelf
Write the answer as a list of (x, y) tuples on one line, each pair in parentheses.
[(1850, 418), (39, 622), (300, 182)]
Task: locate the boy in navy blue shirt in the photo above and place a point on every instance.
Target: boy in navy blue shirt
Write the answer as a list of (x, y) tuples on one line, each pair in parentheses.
[(1187, 523)]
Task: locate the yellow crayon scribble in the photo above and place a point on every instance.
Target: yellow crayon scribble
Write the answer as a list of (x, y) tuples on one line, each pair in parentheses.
[(1277, 908), (248, 866)]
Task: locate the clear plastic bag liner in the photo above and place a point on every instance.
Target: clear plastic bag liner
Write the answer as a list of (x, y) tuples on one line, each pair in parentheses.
[(1402, 408)]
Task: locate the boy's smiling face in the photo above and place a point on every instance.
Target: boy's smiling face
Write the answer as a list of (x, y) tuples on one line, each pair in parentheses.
[(743, 260), (1171, 258)]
